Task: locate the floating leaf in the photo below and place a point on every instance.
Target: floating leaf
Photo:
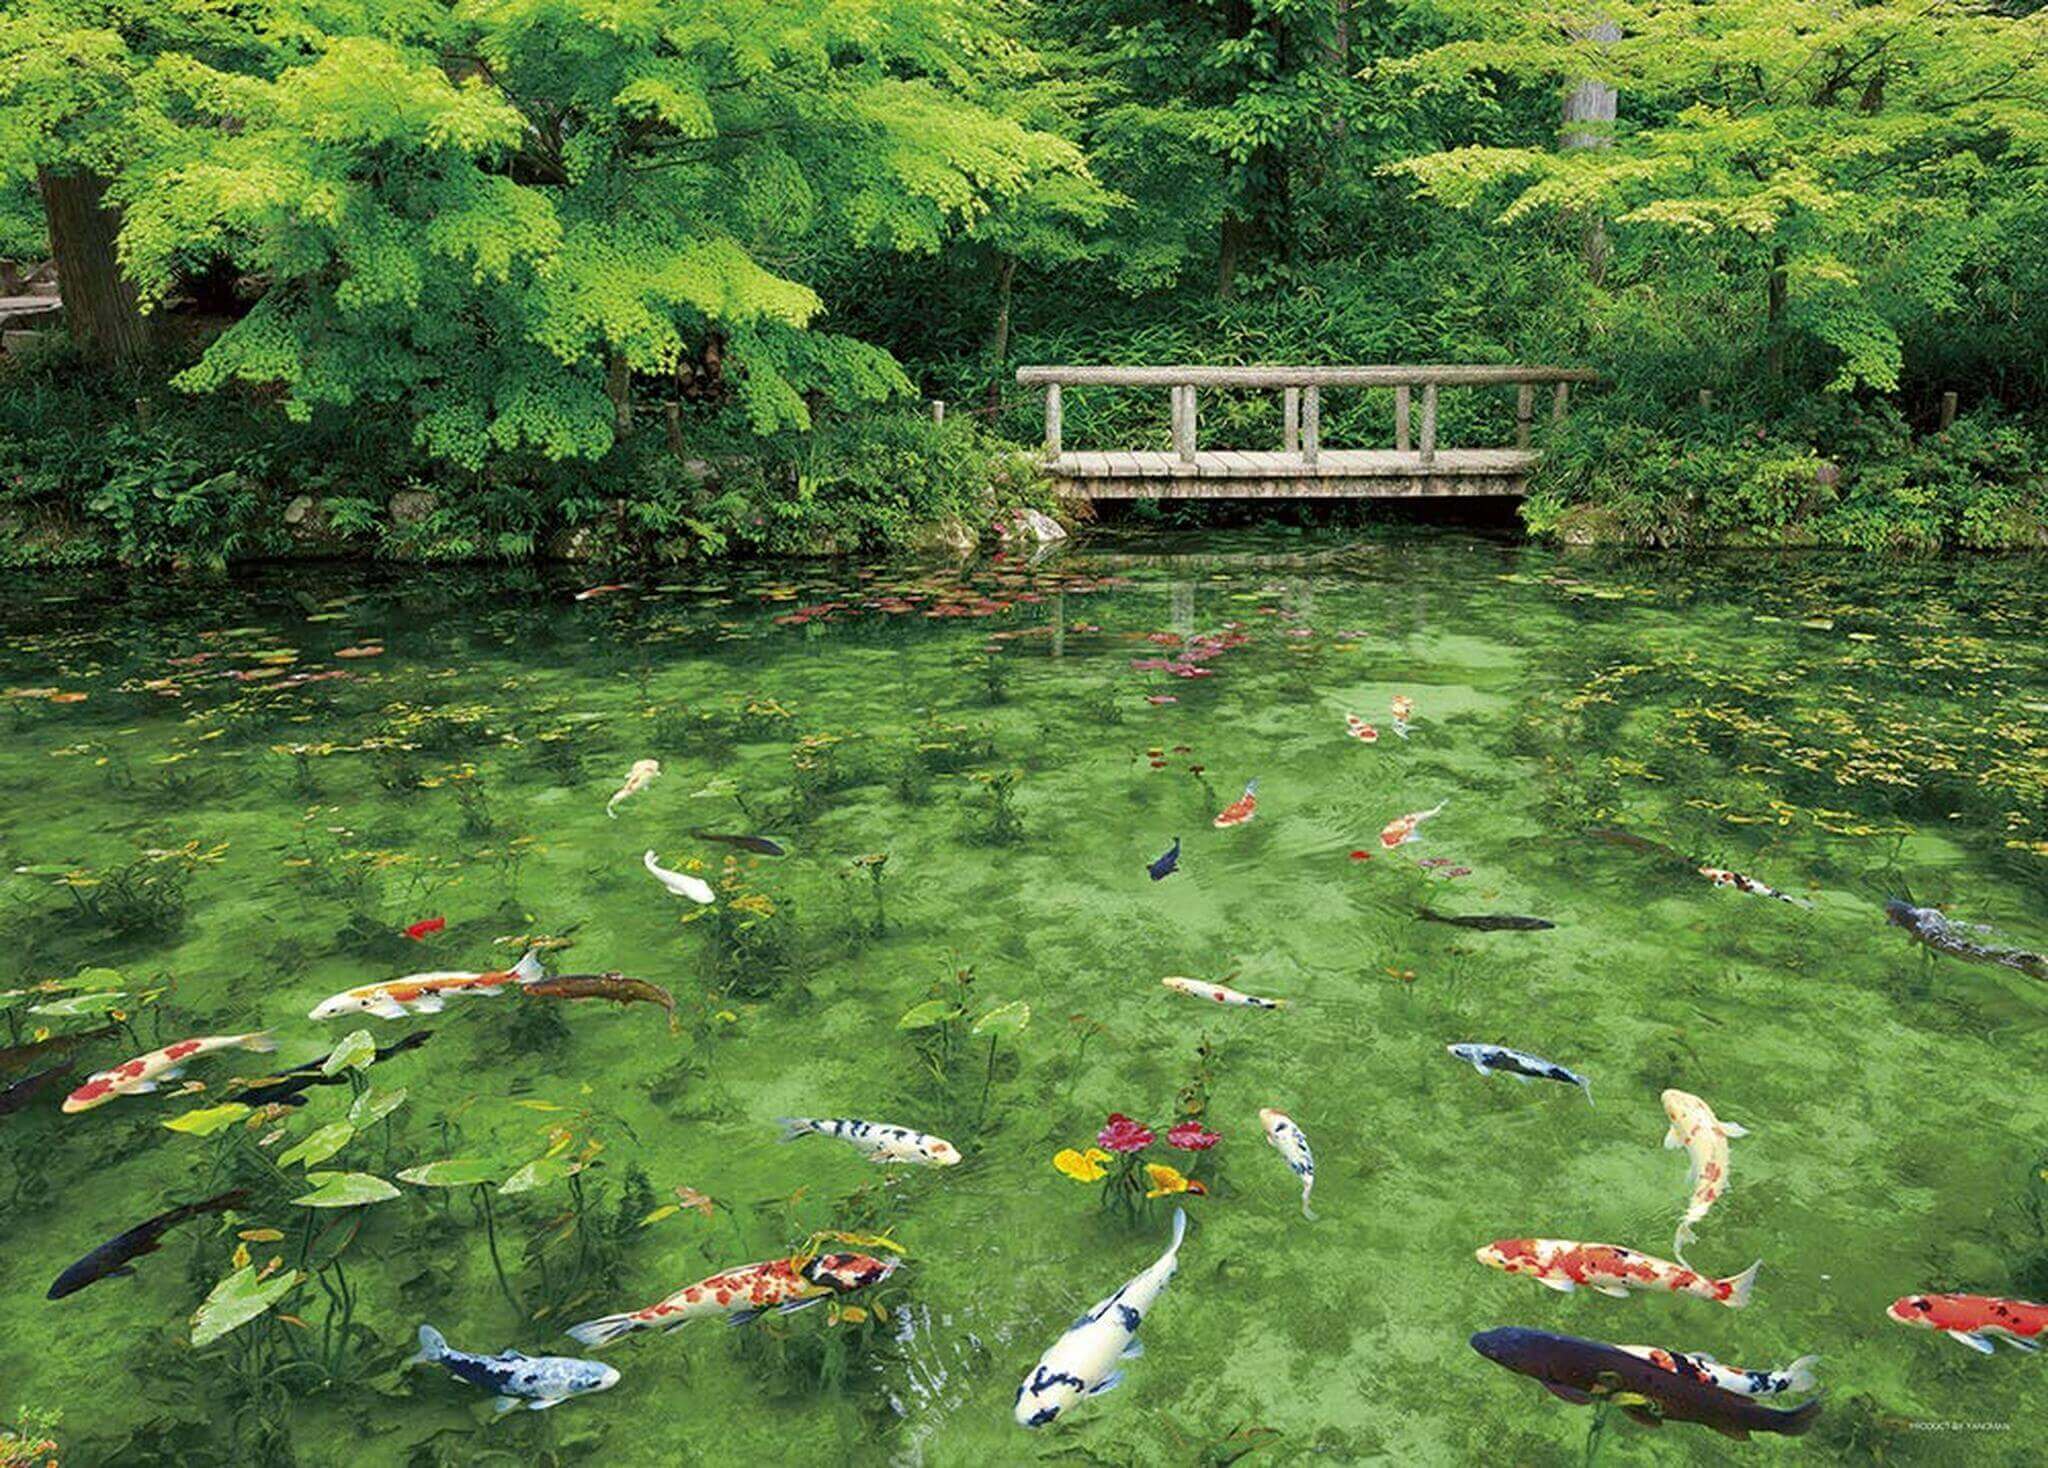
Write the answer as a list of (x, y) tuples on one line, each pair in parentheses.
[(345, 1190), (1004, 1019), (666, 1210), (209, 1119), (454, 1172), (931, 1012), (96, 1003), (236, 1301), (373, 1106), (538, 1174), (355, 1052), (320, 1146)]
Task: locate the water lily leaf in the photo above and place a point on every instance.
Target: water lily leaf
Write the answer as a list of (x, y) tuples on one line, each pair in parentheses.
[(355, 1052), (538, 1174), (320, 1146), (670, 1210), (373, 1106), (345, 1190), (98, 978), (454, 1172), (1004, 1019), (931, 1012), (208, 1119), (43, 869), (95, 1003), (236, 1301)]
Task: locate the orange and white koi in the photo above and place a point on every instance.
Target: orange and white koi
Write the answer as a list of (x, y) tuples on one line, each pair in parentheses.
[(1564, 1265), (745, 1293), (1402, 829), (1241, 809), (1722, 877), (1975, 1320), (1218, 994), (426, 993), (1358, 729), (1403, 709), (643, 774), (143, 1074), (1798, 1377), (1705, 1138)]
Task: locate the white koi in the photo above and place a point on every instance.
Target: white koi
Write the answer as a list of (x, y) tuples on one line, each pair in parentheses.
[(1083, 1362), (682, 884), (643, 774), (882, 1143), (1292, 1146), (1217, 993)]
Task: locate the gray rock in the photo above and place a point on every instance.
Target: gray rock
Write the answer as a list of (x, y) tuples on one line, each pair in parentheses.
[(410, 505)]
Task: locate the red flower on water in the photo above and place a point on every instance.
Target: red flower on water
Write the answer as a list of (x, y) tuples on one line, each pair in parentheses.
[(1192, 1136), (1121, 1134), (421, 929), (1361, 856)]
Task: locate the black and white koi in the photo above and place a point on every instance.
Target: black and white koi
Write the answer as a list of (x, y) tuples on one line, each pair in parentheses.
[(1292, 1146), (881, 1143), (1083, 1362), (1524, 1067)]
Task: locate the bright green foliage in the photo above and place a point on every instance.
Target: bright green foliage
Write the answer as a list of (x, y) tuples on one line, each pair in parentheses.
[(1859, 160), (491, 213)]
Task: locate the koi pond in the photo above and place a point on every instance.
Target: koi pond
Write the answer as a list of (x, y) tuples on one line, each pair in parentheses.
[(955, 827)]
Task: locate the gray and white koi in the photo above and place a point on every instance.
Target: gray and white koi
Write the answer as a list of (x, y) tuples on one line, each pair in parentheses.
[(1219, 994), (1524, 1067), (1798, 1377), (881, 1143), (1293, 1147), (514, 1377), (1083, 1362)]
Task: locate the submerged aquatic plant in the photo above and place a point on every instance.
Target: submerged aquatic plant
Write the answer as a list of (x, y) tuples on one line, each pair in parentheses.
[(1001, 822), (1118, 1163)]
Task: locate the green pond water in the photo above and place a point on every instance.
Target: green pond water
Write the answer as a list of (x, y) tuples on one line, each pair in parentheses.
[(239, 818)]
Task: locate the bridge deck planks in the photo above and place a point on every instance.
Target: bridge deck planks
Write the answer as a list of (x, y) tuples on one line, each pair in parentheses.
[(1233, 473)]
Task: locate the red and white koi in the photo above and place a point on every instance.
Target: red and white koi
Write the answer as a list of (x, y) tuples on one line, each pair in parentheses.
[(1609, 1269), (1240, 810), (1975, 1320), (145, 1073), (1705, 1139), (1798, 1377), (1218, 994), (644, 773), (745, 1293), (1358, 729), (1287, 1139), (1403, 829), (426, 993), (1722, 877)]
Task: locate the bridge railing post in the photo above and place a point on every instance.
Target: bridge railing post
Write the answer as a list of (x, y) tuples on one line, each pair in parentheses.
[(1525, 412), (1184, 422), (1401, 394), (1052, 420), (1428, 445), (1290, 418), (1311, 425), (1558, 398)]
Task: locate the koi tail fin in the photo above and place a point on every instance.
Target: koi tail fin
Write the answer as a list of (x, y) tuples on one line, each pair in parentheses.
[(1740, 1286), (604, 1330), (794, 1127), (260, 1041), (1587, 1086), (1180, 1231), (433, 1347), (528, 969), (219, 1203), (1306, 1211), (1799, 1376), (1799, 1421)]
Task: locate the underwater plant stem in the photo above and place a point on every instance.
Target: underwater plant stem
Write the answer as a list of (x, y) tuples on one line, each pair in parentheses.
[(988, 1081), (483, 1193)]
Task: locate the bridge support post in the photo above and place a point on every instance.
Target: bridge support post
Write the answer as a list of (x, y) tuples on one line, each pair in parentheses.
[(1428, 423), (1290, 416), (1311, 425), (1401, 418), (1525, 412), (1052, 420)]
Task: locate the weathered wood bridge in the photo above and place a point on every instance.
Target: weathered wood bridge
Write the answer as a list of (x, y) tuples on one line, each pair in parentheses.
[(1302, 467)]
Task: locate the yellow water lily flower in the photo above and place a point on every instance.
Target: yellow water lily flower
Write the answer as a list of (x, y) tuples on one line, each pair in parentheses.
[(1082, 1167), (1167, 1180)]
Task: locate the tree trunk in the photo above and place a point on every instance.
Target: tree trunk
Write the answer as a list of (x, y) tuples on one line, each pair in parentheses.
[(997, 349), (1774, 315), (1236, 236), (100, 305), (1340, 54), (618, 386), (1591, 101)]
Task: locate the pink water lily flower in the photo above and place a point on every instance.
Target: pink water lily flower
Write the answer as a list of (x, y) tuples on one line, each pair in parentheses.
[(1121, 1134), (1192, 1136)]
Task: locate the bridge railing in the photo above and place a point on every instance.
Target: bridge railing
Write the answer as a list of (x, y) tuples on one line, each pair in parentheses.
[(1301, 396)]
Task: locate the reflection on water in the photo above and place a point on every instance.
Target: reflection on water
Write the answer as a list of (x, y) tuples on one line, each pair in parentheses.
[(224, 804)]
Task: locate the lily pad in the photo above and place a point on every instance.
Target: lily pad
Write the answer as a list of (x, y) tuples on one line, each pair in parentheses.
[(931, 1012), (1004, 1019), (373, 1106), (355, 1052), (237, 1300), (208, 1119), (455, 1172), (345, 1190), (538, 1174), (320, 1146), (99, 1002)]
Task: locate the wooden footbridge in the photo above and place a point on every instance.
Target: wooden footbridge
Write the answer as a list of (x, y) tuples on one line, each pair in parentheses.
[(1303, 467)]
